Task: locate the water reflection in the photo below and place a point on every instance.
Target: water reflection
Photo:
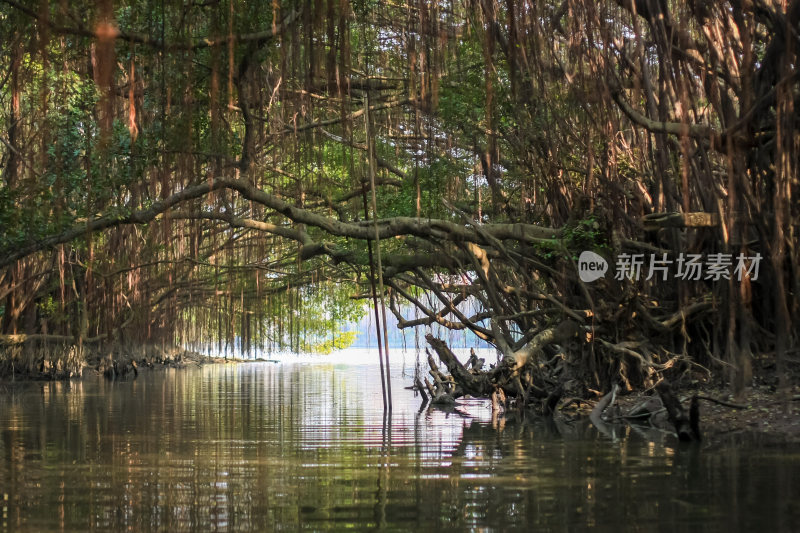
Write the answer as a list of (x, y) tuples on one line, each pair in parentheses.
[(308, 446)]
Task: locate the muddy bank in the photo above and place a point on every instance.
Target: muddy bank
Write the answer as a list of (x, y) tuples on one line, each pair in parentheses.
[(767, 415), (694, 406), (762, 415)]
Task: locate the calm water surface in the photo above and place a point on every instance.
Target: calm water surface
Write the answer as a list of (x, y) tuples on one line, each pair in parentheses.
[(274, 447)]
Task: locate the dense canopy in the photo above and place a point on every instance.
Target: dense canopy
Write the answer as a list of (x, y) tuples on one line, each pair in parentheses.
[(195, 172)]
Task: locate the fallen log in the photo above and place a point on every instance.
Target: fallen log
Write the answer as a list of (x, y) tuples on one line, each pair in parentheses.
[(554, 335), (13, 340), (606, 401), (421, 388), (474, 384), (657, 221), (552, 401), (443, 391), (498, 400), (687, 428), (511, 379)]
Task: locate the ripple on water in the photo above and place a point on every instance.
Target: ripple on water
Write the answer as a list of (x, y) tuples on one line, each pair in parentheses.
[(307, 446)]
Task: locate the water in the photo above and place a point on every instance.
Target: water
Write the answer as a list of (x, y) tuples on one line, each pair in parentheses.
[(282, 447)]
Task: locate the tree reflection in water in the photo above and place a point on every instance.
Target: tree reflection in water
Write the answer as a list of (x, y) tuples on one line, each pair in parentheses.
[(307, 446)]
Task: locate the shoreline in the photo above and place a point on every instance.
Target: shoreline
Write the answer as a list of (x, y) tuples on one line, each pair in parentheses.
[(766, 417), (63, 365), (769, 417)]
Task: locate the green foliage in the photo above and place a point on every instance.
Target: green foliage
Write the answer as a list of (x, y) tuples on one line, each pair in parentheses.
[(48, 306), (340, 341), (585, 234), (462, 102)]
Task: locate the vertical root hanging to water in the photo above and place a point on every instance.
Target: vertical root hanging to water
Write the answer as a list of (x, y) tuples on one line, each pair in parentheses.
[(381, 326), (375, 300)]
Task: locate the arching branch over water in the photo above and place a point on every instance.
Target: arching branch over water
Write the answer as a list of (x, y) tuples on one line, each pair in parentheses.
[(197, 173)]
